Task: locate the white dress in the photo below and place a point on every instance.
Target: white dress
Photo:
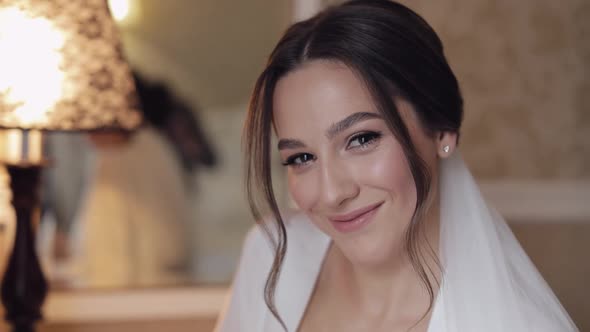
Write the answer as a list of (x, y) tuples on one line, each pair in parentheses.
[(488, 284)]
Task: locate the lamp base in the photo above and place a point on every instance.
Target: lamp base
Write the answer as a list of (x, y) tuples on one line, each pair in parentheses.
[(24, 287)]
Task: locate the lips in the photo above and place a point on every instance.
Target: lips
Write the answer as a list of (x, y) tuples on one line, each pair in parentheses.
[(356, 219)]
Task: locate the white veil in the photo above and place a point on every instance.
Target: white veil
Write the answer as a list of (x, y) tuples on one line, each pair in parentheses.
[(489, 282)]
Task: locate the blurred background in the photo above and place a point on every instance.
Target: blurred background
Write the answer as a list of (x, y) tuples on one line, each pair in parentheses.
[(155, 221)]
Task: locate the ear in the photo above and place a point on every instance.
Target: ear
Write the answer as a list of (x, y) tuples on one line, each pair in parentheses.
[(446, 143)]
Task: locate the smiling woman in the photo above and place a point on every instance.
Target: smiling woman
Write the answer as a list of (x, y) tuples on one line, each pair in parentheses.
[(341, 170), (392, 232)]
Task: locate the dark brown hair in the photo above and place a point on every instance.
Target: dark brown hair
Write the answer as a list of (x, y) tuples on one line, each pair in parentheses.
[(397, 55)]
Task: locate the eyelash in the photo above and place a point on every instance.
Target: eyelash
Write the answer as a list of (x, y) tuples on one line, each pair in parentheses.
[(292, 161), (371, 138)]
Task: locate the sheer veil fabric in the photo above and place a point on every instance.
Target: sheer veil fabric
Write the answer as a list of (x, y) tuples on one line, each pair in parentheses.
[(489, 283)]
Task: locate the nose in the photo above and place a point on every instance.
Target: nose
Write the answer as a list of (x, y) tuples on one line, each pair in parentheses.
[(337, 186)]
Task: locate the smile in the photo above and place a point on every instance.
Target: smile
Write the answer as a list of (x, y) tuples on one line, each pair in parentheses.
[(354, 220)]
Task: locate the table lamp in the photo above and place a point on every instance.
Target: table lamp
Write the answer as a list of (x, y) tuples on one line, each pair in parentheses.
[(61, 69)]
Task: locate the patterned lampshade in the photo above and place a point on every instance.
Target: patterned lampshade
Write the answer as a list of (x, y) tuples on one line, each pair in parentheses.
[(62, 68)]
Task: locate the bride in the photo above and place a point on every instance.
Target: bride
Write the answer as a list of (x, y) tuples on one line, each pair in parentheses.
[(392, 233)]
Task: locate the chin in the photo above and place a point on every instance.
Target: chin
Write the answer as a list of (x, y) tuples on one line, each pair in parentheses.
[(371, 249)]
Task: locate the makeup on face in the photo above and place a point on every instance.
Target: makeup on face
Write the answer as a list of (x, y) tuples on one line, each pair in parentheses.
[(345, 168), (356, 219)]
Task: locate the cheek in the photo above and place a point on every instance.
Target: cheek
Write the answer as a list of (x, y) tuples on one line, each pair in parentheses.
[(389, 171), (302, 190)]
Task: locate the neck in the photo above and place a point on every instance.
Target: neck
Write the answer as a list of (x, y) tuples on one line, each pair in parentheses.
[(385, 289)]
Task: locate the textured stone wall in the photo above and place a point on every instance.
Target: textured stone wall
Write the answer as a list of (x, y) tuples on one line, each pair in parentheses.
[(560, 253)]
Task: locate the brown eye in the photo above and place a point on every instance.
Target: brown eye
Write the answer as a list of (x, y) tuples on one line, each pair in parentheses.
[(363, 139), (299, 159)]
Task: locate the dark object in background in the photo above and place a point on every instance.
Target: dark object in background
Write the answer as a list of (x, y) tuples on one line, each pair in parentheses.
[(177, 122), (24, 287)]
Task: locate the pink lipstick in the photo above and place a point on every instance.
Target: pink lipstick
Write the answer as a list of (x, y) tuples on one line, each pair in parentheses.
[(354, 220)]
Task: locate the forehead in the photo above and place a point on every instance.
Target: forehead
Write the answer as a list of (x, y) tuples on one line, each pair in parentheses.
[(317, 94)]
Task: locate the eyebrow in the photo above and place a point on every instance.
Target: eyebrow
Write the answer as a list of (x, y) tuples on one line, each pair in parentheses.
[(335, 129), (288, 143), (350, 121)]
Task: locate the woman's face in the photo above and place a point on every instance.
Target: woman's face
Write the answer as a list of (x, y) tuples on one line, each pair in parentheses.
[(346, 170)]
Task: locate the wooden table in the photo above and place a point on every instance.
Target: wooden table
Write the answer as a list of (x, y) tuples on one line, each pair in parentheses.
[(187, 325)]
